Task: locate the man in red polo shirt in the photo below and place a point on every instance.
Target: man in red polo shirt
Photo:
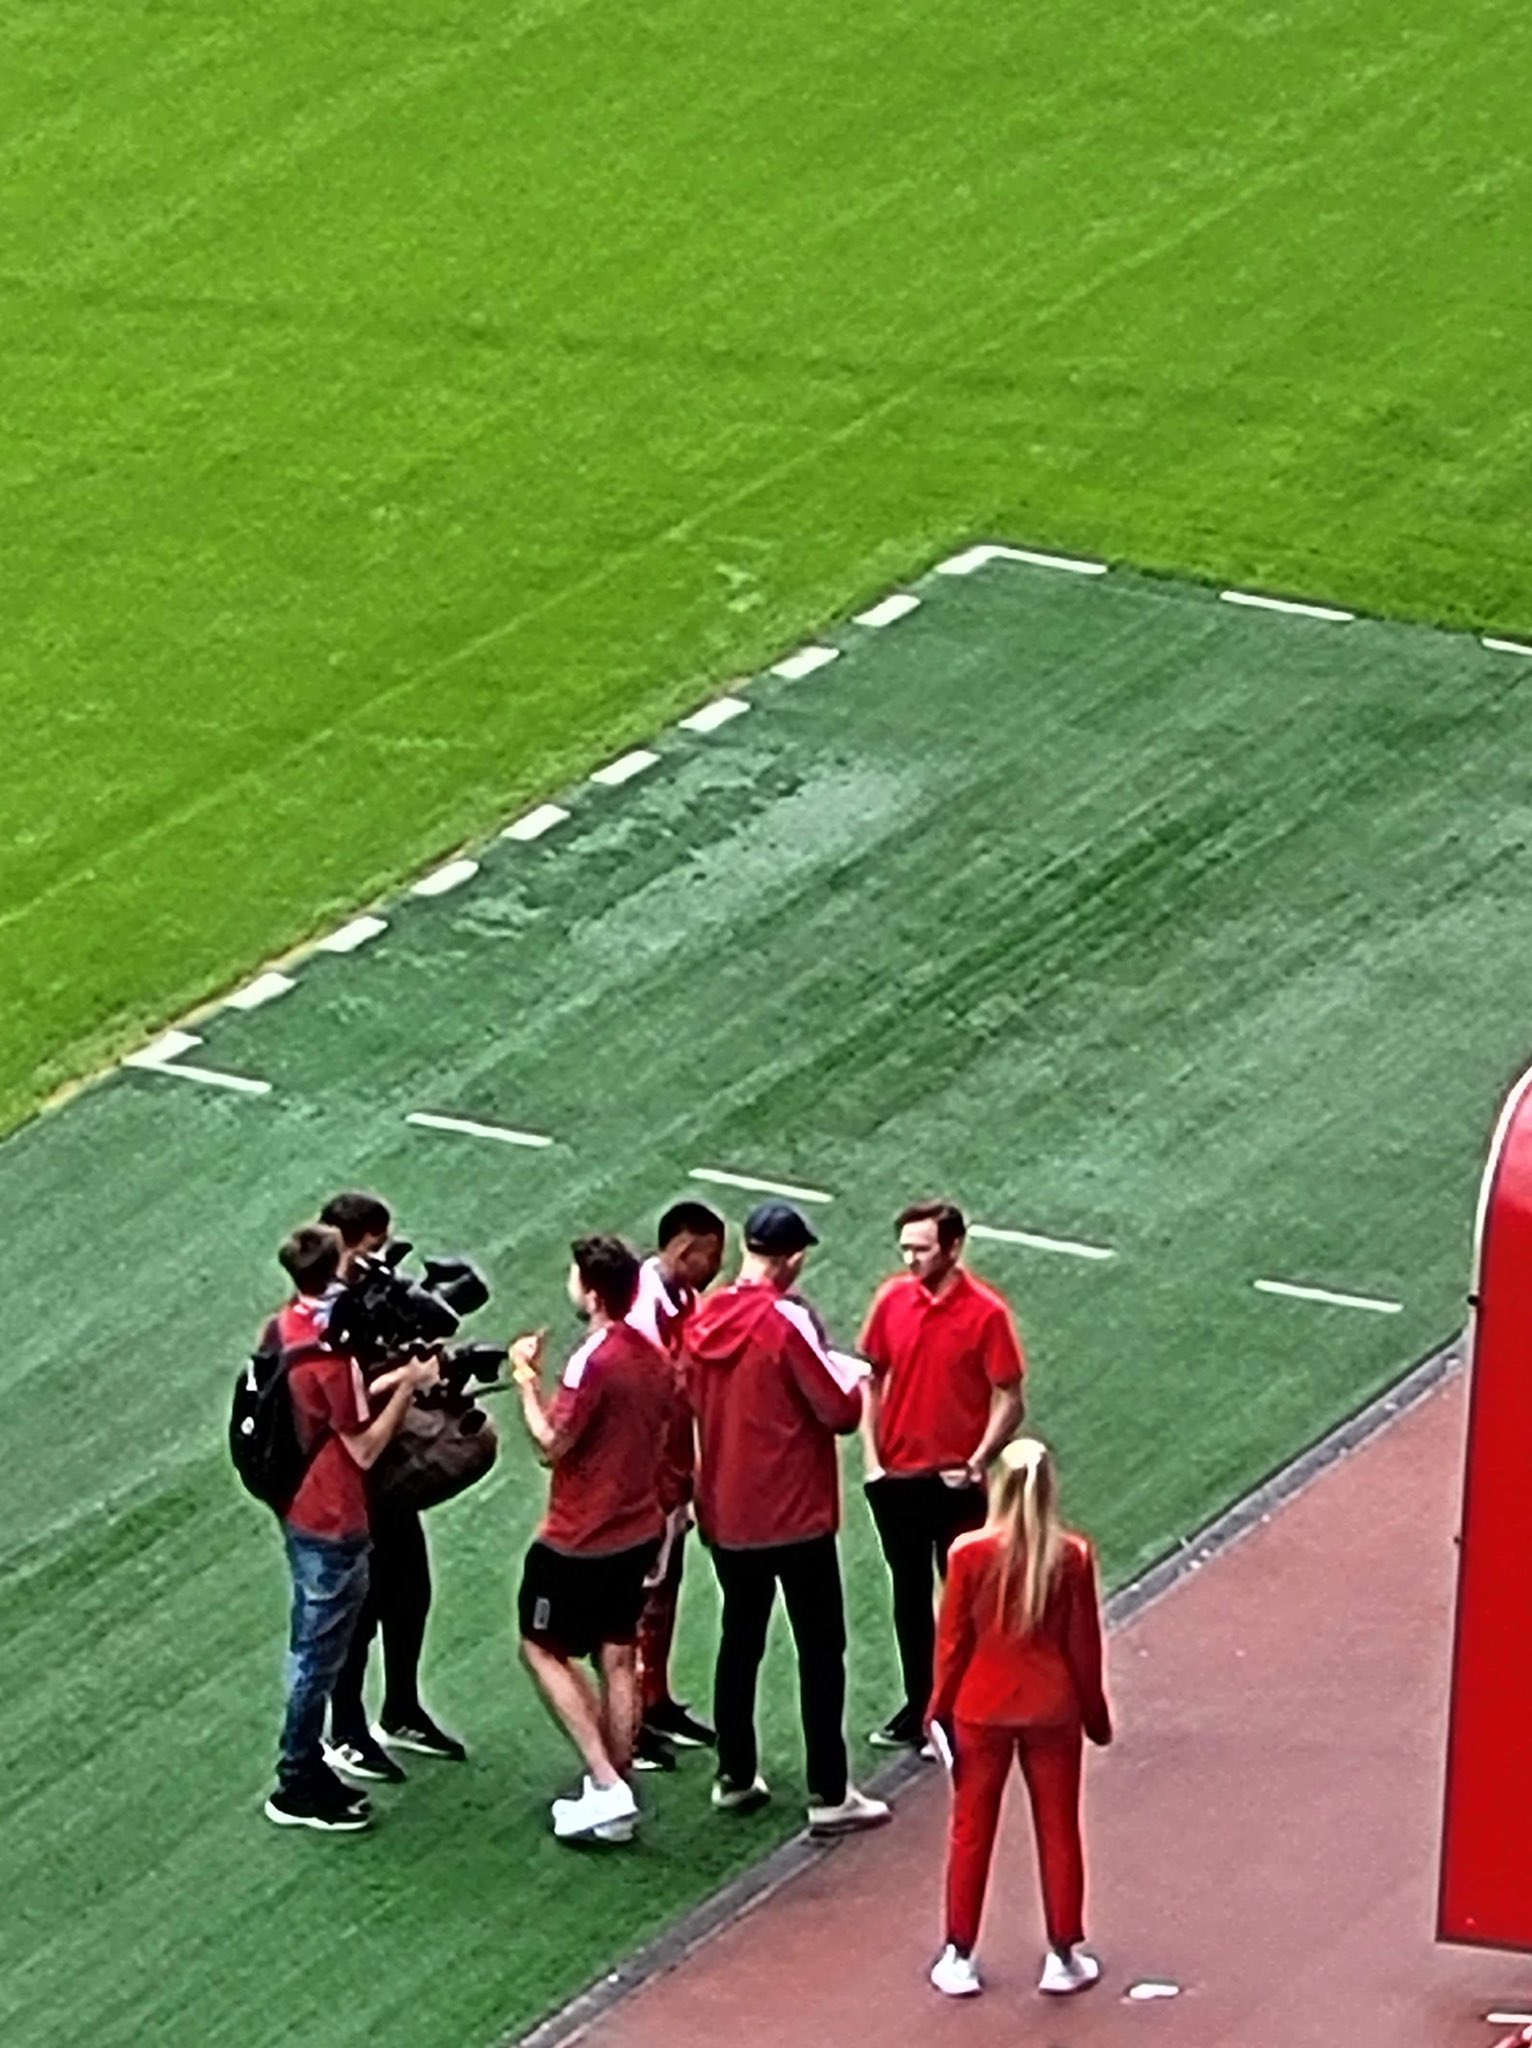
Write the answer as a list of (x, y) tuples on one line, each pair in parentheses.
[(605, 1437), (325, 1526), (945, 1394)]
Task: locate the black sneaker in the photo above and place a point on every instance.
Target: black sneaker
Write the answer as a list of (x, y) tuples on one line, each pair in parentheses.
[(675, 1721), (652, 1752), (417, 1731), (902, 1732), (299, 1806), (360, 1756)]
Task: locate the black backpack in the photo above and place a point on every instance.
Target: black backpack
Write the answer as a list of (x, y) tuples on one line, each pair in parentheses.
[(263, 1429)]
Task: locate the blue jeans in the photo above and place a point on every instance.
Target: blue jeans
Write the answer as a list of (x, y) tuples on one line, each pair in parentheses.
[(329, 1590)]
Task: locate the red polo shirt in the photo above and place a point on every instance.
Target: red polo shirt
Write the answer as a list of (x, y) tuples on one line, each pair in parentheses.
[(935, 1358), (614, 1412), (329, 1402)]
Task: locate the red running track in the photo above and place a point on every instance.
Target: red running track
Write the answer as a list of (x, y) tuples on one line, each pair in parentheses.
[(1264, 1833)]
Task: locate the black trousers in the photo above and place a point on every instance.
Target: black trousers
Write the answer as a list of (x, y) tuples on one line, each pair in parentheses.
[(809, 1575), (916, 1520), (398, 1603)]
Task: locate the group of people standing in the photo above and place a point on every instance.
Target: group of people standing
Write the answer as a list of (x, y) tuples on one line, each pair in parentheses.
[(719, 1407)]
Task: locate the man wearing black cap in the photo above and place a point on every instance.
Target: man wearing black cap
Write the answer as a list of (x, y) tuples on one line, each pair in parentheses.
[(770, 1399)]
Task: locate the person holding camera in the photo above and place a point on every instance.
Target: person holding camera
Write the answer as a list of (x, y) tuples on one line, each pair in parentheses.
[(944, 1396), (325, 1525), (398, 1601), (670, 1283), (604, 1438), (770, 1400)]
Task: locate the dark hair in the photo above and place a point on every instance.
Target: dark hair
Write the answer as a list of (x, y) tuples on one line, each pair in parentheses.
[(311, 1257), (609, 1268), (696, 1218), (356, 1214), (951, 1227)]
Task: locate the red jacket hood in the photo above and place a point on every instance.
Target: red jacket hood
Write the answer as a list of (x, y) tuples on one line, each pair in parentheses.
[(726, 1321)]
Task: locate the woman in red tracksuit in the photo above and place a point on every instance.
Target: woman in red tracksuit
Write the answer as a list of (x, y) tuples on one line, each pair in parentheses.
[(1018, 1676)]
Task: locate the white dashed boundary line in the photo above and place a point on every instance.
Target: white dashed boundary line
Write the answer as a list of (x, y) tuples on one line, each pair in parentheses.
[(1254, 602), (713, 715), (440, 880), (466, 1127), (793, 667), (625, 767), (1503, 646), (264, 989), (1286, 1288), (890, 610), (1036, 1241), (719, 1178), (352, 935), (536, 823)]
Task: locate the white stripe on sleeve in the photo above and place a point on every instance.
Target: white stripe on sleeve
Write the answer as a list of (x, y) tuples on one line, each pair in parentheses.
[(574, 1372), (842, 1368)]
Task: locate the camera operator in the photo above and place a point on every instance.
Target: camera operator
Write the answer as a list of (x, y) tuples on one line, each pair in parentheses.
[(325, 1527), (399, 1594)]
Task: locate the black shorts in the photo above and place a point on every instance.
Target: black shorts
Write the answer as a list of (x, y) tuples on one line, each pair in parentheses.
[(575, 1605)]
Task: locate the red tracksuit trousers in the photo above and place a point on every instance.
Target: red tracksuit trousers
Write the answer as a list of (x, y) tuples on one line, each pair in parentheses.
[(1050, 1760)]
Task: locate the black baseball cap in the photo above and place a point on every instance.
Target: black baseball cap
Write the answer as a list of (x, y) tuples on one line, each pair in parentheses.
[(778, 1230)]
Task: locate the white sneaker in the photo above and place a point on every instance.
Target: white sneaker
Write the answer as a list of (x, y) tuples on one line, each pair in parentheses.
[(956, 1976), (731, 1798), (855, 1812), (1076, 1971), (598, 1808)]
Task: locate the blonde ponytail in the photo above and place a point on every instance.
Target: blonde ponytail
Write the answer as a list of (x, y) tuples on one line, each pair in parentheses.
[(1024, 1507)]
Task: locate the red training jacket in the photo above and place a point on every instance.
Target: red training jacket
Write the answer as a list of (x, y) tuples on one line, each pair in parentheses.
[(769, 1403), (986, 1671)]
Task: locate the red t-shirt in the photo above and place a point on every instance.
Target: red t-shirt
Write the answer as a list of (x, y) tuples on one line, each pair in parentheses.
[(329, 1401), (935, 1358), (613, 1411)]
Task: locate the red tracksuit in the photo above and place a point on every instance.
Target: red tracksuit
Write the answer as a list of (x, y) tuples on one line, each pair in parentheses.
[(1033, 1698)]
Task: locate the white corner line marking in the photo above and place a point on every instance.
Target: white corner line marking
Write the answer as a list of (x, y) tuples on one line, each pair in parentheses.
[(536, 823), (264, 989), (238, 1083), (793, 667), (890, 610), (352, 935), (1508, 2019), (625, 767), (169, 1046), (720, 1178), (1368, 1301), (1503, 646), (1069, 1246), (1257, 603), (452, 876), (996, 551), (466, 1127), (1075, 565), (713, 715)]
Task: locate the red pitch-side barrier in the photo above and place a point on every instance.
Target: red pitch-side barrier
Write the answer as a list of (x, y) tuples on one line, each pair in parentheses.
[(1486, 1868)]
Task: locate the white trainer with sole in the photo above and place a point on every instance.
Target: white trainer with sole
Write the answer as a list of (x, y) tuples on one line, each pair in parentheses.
[(955, 1975), (1062, 1975), (601, 1811), (855, 1813)]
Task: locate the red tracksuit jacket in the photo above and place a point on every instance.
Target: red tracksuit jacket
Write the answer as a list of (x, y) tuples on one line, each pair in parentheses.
[(769, 1404), (987, 1672)]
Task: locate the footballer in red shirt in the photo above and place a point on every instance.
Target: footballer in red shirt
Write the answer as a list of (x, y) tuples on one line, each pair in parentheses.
[(944, 1396), (605, 1437), (690, 1241)]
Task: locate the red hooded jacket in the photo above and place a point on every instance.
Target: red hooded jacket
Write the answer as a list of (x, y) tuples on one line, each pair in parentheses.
[(769, 1403)]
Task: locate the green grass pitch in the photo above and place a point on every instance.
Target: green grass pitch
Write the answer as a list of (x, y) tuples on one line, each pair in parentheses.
[(1128, 916), (407, 401)]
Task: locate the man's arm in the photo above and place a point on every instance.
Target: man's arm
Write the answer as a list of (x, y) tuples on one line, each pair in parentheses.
[(1005, 1412), (555, 1427), (367, 1445), (820, 1380), (870, 1345)]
